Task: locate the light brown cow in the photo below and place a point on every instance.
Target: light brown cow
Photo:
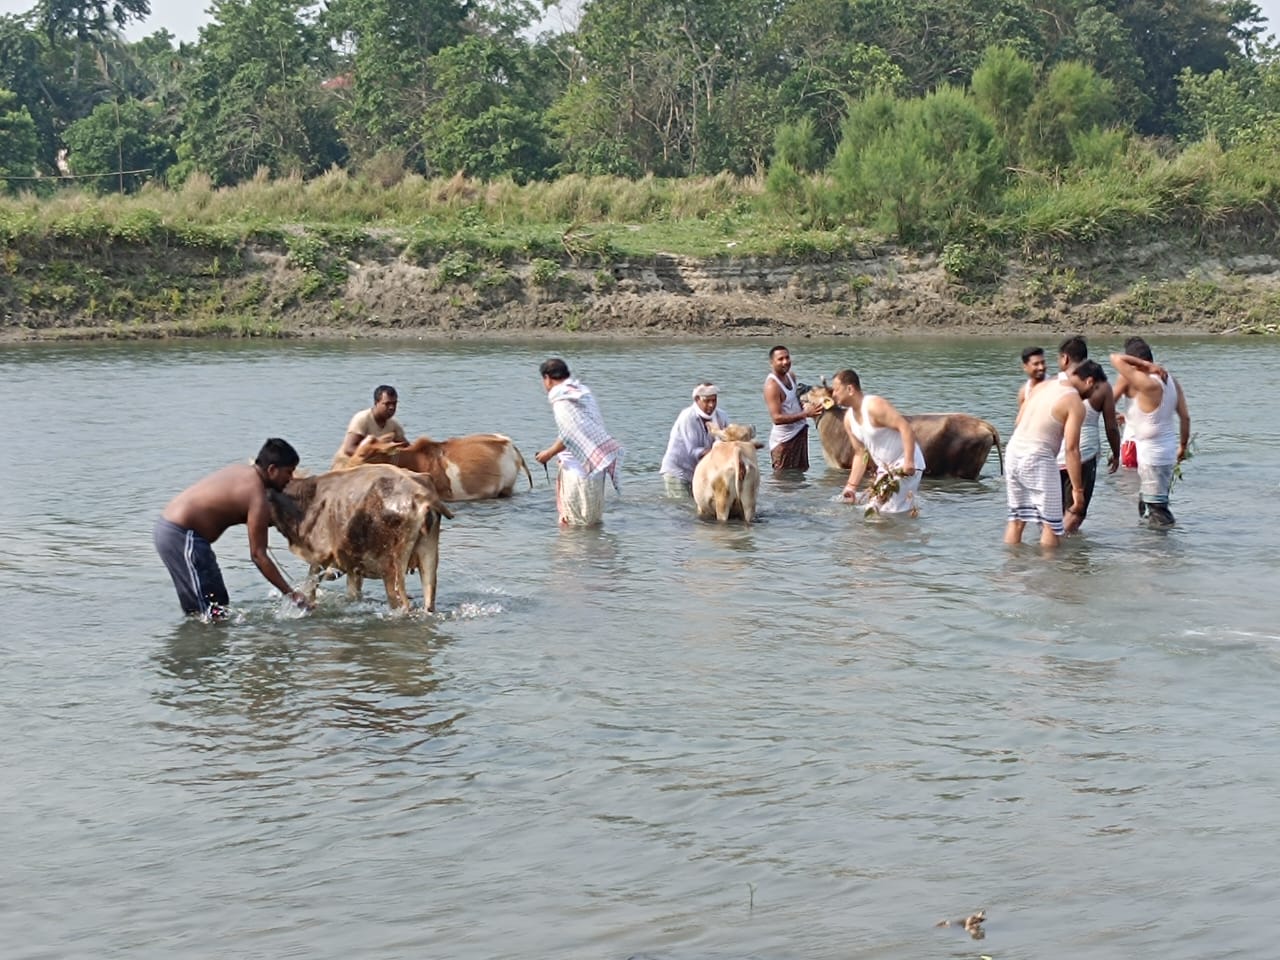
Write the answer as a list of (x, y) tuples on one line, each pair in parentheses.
[(479, 466), (726, 481), (953, 444), (370, 521)]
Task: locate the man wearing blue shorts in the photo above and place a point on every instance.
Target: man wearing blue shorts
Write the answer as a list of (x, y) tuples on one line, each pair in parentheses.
[(199, 515)]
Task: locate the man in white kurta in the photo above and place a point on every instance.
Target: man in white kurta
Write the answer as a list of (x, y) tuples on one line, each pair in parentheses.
[(691, 437)]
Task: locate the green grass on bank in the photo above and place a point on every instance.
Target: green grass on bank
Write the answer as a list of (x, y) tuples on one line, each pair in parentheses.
[(1198, 191)]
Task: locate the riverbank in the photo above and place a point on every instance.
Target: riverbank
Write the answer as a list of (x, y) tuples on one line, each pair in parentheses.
[(381, 292)]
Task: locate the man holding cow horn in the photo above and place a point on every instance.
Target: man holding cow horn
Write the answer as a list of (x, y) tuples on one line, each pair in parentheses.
[(199, 515), (378, 422)]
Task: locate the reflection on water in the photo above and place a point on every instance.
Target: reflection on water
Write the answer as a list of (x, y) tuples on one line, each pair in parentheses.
[(810, 737)]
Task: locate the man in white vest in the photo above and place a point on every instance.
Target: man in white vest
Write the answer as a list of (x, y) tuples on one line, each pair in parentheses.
[(789, 437)]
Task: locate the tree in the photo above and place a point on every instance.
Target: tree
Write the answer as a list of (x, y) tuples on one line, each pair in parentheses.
[(119, 137), (488, 116), (386, 46), (86, 20), (19, 145), (1073, 99), (1003, 86), (917, 168), (253, 94)]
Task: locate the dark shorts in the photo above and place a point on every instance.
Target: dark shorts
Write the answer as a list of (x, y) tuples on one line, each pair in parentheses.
[(793, 454), (193, 567), (1089, 476)]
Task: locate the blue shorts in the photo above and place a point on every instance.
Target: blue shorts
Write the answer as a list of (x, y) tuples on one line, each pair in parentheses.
[(193, 567)]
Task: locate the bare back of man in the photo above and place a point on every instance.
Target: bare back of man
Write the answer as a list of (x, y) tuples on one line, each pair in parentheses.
[(1050, 419), (223, 499)]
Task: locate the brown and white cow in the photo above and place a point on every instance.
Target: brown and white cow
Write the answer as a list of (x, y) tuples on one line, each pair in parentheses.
[(370, 521), (953, 444), (479, 466), (726, 481)]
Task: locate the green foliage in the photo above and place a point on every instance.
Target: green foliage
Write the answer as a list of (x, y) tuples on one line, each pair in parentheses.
[(118, 137), (918, 168), (544, 273), (797, 145), (323, 267), (1003, 86), (487, 116), (18, 143), (253, 95), (1073, 99)]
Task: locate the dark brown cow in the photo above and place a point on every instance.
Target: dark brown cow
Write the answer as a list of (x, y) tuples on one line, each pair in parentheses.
[(369, 521), (953, 444), (479, 466)]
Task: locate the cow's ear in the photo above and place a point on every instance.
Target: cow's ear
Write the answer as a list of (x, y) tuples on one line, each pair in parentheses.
[(827, 403)]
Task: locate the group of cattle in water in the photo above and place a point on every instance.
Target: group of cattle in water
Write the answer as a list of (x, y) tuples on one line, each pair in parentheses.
[(379, 515)]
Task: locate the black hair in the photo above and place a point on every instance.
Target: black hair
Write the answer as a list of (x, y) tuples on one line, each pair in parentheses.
[(849, 378), (555, 368), (1090, 370), (1137, 347), (277, 453), (1030, 352), (384, 389), (774, 349), (1074, 349)]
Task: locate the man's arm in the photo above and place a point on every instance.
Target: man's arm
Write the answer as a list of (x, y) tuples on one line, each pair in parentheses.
[(1074, 418), (350, 442), (1102, 394), (1184, 421), (544, 456), (258, 522), (885, 414), (1138, 382), (859, 467), (773, 400)]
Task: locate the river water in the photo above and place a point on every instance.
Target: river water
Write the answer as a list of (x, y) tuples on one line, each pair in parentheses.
[(810, 738)]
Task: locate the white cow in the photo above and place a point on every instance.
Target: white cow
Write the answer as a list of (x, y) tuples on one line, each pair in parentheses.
[(726, 481)]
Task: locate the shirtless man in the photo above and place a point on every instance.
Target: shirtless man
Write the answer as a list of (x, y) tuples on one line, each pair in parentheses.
[(1157, 402), (378, 421), (1049, 421), (789, 437), (882, 436), (1034, 367), (199, 515)]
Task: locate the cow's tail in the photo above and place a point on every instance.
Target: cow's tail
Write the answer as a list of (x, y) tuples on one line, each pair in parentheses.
[(995, 436), (525, 467)]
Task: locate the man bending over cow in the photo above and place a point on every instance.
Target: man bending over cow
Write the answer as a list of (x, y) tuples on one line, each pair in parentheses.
[(691, 438), (199, 515), (378, 422), (882, 438), (586, 450)]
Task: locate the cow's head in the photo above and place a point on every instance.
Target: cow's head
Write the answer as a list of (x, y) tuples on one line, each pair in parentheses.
[(821, 395), (736, 433), (376, 450)]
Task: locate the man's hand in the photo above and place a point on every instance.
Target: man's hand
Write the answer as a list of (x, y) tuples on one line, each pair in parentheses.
[(908, 469), (542, 456), (299, 600), (1113, 463)]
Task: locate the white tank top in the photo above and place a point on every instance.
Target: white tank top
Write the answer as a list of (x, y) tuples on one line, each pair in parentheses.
[(1156, 433), (782, 432), (884, 443), (1090, 435)]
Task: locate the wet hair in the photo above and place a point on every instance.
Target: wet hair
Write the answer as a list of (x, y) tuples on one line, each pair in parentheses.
[(1074, 349), (1090, 370), (276, 453), (1137, 347), (1030, 352), (384, 390), (555, 368), (849, 378), (773, 351)]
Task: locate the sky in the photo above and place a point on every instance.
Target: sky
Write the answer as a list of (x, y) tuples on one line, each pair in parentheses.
[(183, 18)]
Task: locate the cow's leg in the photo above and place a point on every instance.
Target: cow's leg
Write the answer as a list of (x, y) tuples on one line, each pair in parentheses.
[(313, 582), (393, 580), (427, 552), (355, 586), (747, 494)]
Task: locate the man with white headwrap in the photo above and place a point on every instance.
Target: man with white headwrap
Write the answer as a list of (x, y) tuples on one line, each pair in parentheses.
[(586, 451), (691, 438)]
